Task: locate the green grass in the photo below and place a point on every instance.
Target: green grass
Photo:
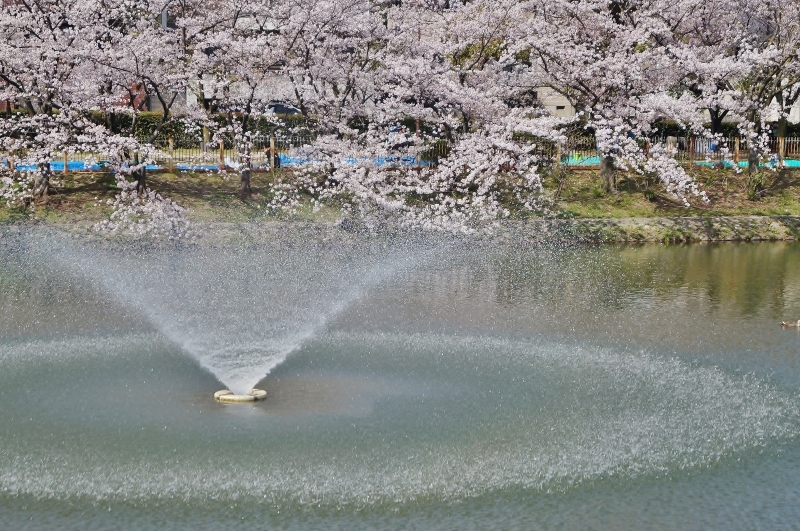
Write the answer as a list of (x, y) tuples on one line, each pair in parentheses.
[(576, 193), (583, 196)]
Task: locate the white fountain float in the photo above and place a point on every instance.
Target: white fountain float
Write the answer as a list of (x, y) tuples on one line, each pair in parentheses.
[(226, 395)]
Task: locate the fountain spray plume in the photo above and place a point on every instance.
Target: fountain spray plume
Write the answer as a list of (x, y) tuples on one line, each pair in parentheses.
[(239, 310)]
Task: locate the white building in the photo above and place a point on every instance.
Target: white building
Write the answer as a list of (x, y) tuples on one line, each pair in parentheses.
[(555, 102)]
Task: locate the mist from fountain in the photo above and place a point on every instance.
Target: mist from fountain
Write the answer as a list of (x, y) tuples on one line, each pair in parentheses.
[(238, 310)]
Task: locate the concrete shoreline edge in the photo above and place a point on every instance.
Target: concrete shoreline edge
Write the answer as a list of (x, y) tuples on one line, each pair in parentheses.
[(539, 230), (682, 229)]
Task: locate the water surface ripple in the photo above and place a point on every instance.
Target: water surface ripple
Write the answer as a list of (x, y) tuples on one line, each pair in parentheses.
[(411, 385)]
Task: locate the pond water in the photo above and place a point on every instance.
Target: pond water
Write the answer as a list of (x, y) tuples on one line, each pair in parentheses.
[(412, 384)]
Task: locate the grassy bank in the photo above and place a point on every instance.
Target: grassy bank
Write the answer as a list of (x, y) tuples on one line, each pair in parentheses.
[(83, 198), (577, 197), (579, 193)]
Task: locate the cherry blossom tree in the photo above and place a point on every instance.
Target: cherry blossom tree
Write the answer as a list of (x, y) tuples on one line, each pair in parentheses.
[(37, 67), (238, 60), (383, 83), (774, 78), (396, 79), (606, 59), (739, 61)]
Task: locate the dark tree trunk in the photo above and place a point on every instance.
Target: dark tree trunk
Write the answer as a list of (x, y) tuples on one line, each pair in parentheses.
[(245, 189), (111, 122), (780, 133), (752, 160), (140, 175), (752, 152), (41, 181), (717, 116), (141, 181), (245, 160), (607, 173), (755, 181), (783, 124)]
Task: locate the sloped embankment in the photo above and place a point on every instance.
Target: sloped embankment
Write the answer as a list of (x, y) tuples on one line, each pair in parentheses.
[(683, 229)]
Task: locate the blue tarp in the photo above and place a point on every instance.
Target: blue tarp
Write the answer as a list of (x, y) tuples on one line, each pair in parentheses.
[(285, 160), (595, 161), (73, 165), (392, 161), (582, 161), (789, 163)]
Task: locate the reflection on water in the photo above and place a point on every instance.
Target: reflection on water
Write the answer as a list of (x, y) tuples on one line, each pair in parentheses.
[(647, 287), (722, 301), (719, 281)]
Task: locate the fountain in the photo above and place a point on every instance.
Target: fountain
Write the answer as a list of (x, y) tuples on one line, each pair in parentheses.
[(240, 313), (411, 383), (226, 395)]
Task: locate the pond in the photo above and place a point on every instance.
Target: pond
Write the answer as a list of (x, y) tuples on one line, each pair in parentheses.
[(413, 383)]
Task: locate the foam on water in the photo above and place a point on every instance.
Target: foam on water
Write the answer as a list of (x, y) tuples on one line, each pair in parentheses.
[(475, 415), (76, 348)]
